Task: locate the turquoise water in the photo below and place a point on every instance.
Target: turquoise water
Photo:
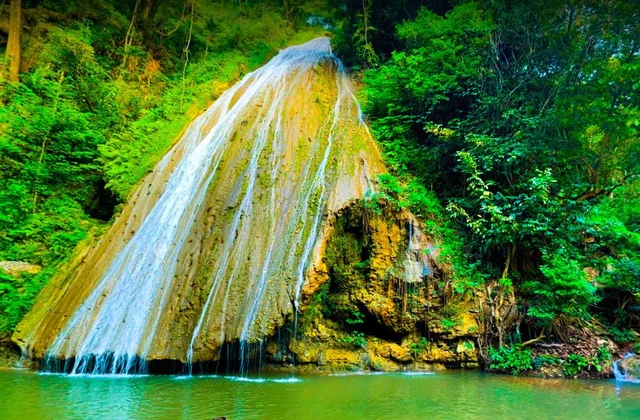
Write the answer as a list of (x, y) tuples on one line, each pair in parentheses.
[(459, 395)]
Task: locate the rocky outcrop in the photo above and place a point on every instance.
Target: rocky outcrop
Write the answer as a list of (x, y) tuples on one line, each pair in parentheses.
[(215, 245), (17, 268), (377, 303), (253, 224), (9, 353), (628, 369)]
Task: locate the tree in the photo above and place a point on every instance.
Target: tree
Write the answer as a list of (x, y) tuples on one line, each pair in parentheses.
[(522, 117), (365, 30), (13, 44)]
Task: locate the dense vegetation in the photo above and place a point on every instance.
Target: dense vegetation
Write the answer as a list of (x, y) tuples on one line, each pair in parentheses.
[(523, 119), (517, 121)]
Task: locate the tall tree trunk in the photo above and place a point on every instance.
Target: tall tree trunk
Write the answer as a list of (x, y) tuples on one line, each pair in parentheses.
[(13, 46), (186, 60), (150, 9)]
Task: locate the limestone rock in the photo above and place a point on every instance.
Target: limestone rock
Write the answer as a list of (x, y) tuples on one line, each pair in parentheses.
[(439, 354), (343, 358), (396, 352), (225, 225), (630, 368), (382, 364), (16, 268)]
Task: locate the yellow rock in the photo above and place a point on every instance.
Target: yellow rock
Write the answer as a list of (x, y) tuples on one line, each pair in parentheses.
[(16, 268), (438, 354), (382, 364), (342, 357), (207, 246)]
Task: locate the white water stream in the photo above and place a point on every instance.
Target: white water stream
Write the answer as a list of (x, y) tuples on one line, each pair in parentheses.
[(114, 329)]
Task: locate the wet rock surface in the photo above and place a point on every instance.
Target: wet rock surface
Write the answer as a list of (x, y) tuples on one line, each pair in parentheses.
[(629, 368), (9, 354), (377, 304), (216, 243)]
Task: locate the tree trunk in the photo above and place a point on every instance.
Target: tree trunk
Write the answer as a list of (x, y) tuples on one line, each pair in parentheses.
[(13, 45), (150, 9)]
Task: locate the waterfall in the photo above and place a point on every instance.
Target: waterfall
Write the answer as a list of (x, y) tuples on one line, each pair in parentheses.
[(620, 373), (218, 241)]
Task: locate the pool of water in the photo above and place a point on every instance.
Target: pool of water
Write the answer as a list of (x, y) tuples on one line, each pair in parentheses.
[(460, 395)]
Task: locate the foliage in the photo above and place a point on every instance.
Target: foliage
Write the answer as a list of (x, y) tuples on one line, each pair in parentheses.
[(510, 359), (363, 30), (356, 318), (564, 291), (602, 358), (621, 334), (389, 193), (529, 138), (355, 339), (545, 360), (418, 348), (448, 324), (574, 364), (16, 296)]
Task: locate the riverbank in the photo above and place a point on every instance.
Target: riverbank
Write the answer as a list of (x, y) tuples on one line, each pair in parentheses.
[(351, 361)]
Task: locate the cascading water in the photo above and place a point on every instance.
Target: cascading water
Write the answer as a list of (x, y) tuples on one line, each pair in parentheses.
[(623, 372), (217, 243)]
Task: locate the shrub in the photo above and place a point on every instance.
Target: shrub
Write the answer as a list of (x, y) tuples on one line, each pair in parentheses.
[(417, 348), (355, 339), (602, 357), (545, 360), (574, 364), (510, 359), (563, 291), (621, 334), (448, 324)]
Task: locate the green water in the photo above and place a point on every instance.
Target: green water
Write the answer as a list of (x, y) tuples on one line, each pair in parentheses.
[(460, 395)]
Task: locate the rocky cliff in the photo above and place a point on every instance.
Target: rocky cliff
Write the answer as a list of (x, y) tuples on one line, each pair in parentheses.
[(254, 223)]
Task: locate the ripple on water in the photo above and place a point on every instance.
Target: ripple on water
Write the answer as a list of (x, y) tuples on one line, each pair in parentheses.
[(290, 380), (358, 373), (287, 380), (197, 377), (244, 379), (417, 373), (393, 395)]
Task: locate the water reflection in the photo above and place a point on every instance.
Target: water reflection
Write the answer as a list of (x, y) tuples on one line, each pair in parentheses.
[(385, 396)]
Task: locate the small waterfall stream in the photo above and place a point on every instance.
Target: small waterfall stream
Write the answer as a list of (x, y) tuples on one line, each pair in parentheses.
[(619, 372), (224, 252)]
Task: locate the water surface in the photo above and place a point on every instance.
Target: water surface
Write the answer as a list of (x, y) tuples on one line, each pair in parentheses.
[(460, 395)]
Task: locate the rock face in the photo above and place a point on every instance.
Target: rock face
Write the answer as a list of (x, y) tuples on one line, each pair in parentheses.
[(256, 211), (16, 268), (216, 243), (9, 356), (376, 301)]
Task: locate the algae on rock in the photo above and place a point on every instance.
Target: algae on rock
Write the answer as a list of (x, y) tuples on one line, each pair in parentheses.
[(377, 302)]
